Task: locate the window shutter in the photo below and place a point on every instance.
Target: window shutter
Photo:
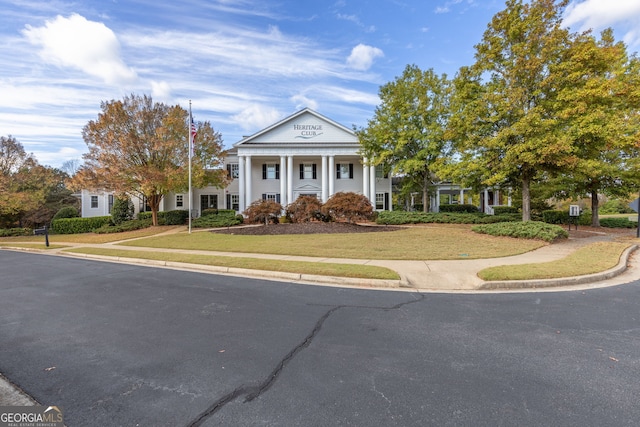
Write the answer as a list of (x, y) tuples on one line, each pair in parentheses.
[(350, 170), (264, 196), (386, 201), (337, 170), (264, 171), (277, 171), (228, 202), (301, 171), (229, 171), (278, 197), (315, 174)]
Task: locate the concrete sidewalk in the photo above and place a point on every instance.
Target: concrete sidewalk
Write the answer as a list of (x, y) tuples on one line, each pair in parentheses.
[(444, 276)]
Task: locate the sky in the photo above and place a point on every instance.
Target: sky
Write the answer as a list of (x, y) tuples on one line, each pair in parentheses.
[(243, 64)]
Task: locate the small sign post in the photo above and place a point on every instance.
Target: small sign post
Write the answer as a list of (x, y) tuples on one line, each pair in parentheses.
[(574, 214)]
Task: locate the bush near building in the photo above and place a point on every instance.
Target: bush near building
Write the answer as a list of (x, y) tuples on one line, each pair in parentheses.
[(524, 230), (264, 211), (78, 225), (348, 205), (403, 217), (304, 209), (214, 218)]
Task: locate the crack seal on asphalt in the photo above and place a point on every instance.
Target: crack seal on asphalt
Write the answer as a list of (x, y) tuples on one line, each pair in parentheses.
[(253, 392)]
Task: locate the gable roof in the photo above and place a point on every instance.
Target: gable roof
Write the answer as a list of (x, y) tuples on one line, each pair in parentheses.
[(304, 127)]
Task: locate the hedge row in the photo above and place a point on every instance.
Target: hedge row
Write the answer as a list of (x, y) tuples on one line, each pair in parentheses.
[(401, 217), (617, 223), (555, 216), (524, 230), (213, 218), (78, 225), (10, 232), (458, 208), (175, 217), (134, 224)]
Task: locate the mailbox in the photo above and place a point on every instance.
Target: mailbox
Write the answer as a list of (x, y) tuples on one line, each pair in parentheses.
[(44, 231)]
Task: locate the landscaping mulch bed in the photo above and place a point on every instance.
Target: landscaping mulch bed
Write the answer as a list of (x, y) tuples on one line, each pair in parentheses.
[(305, 228)]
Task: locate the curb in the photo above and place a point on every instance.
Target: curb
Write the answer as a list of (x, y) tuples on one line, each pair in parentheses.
[(244, 272), (562, 281)]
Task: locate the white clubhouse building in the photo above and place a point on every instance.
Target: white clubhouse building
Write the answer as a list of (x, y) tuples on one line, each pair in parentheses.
[(303, 154)]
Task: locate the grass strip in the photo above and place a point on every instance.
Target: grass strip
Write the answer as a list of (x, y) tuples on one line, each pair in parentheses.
[(28, 245), (300, 267), (593, 258), (412, 243), (91, 237)]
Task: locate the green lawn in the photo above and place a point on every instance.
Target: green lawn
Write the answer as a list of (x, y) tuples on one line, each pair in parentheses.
[(413, 243), (593, 258)]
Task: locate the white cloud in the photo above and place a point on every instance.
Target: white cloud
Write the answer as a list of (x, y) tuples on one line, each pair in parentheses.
[(302, 101), (85, 45), (256, 117), (160, 90), (599, 14), (362, 57)]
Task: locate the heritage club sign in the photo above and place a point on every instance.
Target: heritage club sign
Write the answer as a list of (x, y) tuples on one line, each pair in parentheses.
[(307, 131)]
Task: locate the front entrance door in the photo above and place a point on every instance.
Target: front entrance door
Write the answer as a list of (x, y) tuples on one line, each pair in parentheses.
[(208, 201)]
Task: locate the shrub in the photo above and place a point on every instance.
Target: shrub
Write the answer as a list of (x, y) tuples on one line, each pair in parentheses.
[(458, 208), (263, 211), (617, 223), (134, 224), (501, 210), (10, 232), (78, 225), (176, 217), (555, 216), (213, 218), (348, 205), (402, 217), (524, 230), (304, 209), (66, 212), (122, 210)]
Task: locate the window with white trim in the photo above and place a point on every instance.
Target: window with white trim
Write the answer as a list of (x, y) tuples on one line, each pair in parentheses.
[(270, 171), (235, 201), (379, 201), (179, 200), (380, 172), (344, 171), (234, 170), (94, 202)]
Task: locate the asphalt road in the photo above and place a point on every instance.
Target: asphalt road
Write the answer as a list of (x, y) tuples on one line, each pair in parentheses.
[(116, 344)]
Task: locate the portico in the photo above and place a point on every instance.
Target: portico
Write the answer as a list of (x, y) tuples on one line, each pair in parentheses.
[(304, 154)]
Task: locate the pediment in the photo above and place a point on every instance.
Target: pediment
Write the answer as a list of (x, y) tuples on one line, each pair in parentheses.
[(306, 127)]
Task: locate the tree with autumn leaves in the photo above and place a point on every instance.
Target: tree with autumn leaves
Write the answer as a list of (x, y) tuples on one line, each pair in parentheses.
[(138, 147)]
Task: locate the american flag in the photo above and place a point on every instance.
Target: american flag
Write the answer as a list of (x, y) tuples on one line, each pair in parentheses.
[(194, 132)]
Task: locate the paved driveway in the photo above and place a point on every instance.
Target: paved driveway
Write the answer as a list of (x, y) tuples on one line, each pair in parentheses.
[(129, 345)]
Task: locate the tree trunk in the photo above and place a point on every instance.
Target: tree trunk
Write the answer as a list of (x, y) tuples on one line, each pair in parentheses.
[(154, 203), (595, 207), (526, 199)]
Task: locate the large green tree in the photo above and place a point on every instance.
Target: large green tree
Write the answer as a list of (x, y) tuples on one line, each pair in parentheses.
[(504, 123), (139, 148), (598, 109), (408, 127)]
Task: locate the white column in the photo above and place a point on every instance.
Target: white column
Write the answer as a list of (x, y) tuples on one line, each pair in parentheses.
[(290, 179), (249, 197), (496, 197), (323, 176), (462, 196), (332, 175), (284, 201), (365, 178), (372, 184), (241, 177), (486, 200), (437, 206)]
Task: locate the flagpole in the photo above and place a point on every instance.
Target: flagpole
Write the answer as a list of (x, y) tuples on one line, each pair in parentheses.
[(190, 151)]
